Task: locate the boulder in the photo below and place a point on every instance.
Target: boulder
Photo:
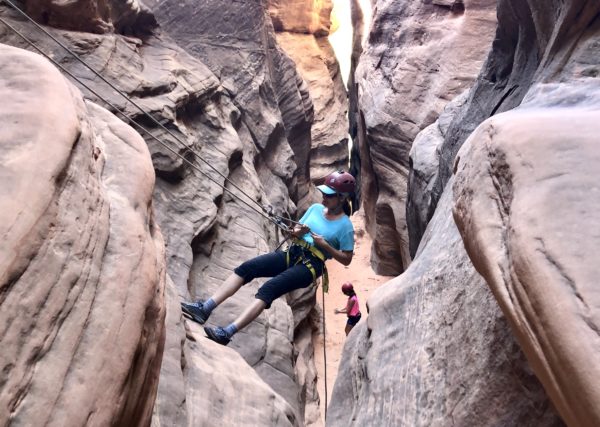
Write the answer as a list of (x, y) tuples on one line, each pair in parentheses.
[(82, 263), (526, 206)]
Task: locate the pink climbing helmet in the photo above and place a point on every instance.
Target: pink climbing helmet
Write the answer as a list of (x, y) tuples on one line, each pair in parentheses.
[(338, 182), (347, 288)]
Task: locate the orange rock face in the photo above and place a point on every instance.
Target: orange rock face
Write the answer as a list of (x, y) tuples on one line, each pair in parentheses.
[(301, 16)]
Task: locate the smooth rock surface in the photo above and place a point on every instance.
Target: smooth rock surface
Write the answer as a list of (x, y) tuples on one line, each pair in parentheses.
[(418, 56), (82, 264), (526, 202), (246, 123), (229, 376), (316, 63), (301, 16), (424, 161), (538, 44)]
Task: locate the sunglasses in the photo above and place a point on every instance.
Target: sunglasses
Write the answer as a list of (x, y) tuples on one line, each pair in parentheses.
[(329, 196)]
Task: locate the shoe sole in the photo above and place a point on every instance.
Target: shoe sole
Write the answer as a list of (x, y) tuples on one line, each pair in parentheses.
[(211, 336), (192, 316)]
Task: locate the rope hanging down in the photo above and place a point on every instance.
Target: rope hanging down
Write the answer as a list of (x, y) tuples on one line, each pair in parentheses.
[(276, 219), (324, 352)]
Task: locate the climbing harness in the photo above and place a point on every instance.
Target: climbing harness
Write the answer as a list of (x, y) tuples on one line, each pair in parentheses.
[(302, 259)]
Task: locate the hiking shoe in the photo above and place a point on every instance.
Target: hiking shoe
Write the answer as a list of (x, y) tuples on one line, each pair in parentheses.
[(217, 334), (196, 311)]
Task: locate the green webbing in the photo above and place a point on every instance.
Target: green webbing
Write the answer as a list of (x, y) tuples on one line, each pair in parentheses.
[(316, 252)]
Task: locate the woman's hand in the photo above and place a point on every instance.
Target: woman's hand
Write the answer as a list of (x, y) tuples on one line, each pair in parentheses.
[(336, 311), (300, 230), (344, 257), (319, 240)]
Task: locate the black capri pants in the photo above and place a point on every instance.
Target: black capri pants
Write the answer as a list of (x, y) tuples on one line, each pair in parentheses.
[(284, 279), (353, 320)]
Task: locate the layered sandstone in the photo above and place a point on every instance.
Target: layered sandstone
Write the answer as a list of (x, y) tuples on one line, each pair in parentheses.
[(230, 93), (417, 57), (424, 160), (78, 280), (518, 190), (301, 16), (259, 136), (96, 16), (82, 265), (556, 45), (315, 60), (519, 204), (360, 24)]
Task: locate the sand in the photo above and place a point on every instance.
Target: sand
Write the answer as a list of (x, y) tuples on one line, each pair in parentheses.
[(364, 280)]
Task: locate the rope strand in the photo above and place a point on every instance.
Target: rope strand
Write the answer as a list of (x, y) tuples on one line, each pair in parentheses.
[(136, 105), (324, 352), (273, 219)]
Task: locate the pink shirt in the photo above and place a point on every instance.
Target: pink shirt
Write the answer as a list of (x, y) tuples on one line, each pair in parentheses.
[(355, 310)]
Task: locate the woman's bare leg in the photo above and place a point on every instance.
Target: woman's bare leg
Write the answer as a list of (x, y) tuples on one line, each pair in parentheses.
[(348, 329), (249, 314), (231, 285)]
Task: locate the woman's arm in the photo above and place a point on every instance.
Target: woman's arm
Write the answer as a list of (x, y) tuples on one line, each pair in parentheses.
[(348, 307), (344, 257)]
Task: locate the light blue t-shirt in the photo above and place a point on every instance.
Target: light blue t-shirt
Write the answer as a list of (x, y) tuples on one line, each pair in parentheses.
[(339, 233)]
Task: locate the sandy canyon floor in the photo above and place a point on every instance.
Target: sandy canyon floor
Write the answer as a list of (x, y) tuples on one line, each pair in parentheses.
[(365, 281)]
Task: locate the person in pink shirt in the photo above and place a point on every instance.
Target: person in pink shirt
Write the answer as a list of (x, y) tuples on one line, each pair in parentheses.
[(352, 309)]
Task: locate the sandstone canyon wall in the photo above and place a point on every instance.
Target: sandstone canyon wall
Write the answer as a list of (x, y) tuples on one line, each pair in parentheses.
[(435, 349), (84, 267), (530, 231), (417, 57), (525, 222), (82, 263), (525, 191), (216, 79), (360, 27), (316, 63)]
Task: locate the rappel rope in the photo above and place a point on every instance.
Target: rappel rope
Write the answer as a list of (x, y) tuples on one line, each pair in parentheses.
[(324, 352), (266, 213), (270, 215), (133, 122)]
